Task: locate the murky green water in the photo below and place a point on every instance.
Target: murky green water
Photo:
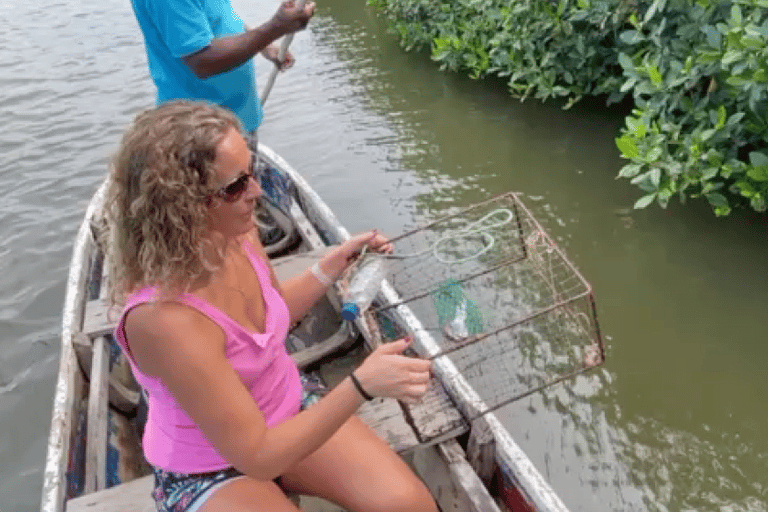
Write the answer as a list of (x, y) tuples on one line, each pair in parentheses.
[(673, 421)]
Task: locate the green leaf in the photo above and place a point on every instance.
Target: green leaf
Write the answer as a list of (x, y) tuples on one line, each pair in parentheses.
[(654, 74), (630, 171), (735, 119), (709, 173), (745, 188), (758, 159), (758, 203), (626, 62), (656, 177), (631, 37), (758, 173), (653, 154), (637, 127), (713, 36), (722, 211), (736, 18), (752, 42), (721, 117), (688, 64), (645, 201), (627, 147), (732, 56), (716, 199)]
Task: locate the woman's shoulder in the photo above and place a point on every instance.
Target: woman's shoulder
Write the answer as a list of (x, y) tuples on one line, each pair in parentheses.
[(166, 318), (163, 334)]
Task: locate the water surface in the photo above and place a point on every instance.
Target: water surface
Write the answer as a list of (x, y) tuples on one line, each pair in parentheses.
[(673, 421)]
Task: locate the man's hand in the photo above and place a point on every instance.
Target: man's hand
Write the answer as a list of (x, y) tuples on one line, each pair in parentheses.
[(271, 53), (290, 18)]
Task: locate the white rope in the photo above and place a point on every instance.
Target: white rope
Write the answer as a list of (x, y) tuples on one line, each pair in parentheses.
[(478, 228)]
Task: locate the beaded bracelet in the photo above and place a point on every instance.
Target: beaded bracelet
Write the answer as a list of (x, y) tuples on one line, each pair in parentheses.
[(359, 387), (320, 275)]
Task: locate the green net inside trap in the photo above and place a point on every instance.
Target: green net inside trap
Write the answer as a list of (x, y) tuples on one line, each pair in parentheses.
[(497, 297)]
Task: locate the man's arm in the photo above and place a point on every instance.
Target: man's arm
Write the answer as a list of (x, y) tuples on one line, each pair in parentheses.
[(226, 53)]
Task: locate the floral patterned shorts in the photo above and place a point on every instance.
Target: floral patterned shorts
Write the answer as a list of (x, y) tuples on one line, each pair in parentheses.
[(180, 492)]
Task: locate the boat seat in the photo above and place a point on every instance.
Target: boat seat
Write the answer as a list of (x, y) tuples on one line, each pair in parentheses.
[(132, 496)]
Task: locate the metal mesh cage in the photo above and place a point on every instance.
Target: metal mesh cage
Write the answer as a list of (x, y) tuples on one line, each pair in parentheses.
[(498, 296)]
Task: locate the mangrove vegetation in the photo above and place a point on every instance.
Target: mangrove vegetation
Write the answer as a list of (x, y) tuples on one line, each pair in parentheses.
[(695, 73)]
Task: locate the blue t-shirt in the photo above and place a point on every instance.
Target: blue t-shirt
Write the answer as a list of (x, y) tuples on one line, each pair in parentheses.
[(176, 28)]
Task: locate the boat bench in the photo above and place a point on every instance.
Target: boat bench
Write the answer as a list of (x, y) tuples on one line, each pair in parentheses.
[(434, 420)]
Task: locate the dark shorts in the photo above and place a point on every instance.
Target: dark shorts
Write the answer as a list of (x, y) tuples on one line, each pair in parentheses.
[(181, 492)]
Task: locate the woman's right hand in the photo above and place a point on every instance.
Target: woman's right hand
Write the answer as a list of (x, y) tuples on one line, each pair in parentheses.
[(386, 372)]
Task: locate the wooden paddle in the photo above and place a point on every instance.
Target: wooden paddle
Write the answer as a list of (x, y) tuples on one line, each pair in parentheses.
[(286, 42)]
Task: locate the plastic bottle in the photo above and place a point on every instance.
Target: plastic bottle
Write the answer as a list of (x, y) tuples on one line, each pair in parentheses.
[(363, 287)]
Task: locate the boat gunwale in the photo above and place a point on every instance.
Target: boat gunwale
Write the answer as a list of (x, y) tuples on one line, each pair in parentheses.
[(57, 456)]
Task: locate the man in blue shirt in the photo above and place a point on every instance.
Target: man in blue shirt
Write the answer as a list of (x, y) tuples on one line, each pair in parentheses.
[(200, 49)]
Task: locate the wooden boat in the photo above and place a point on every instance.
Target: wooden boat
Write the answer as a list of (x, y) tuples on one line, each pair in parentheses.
[(94, 461)]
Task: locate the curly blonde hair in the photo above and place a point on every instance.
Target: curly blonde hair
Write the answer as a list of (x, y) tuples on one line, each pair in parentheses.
[(161, 179)]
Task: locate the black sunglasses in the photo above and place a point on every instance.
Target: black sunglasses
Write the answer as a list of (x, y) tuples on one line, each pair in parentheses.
[(232, 192)]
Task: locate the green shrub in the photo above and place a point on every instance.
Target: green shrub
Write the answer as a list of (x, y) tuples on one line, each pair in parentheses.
[(698, 75), (696, 70)]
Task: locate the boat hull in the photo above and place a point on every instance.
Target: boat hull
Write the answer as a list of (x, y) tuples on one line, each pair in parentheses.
[(458, 474)]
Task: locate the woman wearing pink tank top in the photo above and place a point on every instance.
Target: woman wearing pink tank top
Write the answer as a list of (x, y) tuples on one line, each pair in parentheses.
[(204, 325)]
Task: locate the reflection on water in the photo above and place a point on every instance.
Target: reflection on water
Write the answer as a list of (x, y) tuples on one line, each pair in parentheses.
[(673, 421)]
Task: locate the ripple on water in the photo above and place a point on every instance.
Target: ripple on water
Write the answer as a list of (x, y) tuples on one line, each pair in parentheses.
[(25, 430)]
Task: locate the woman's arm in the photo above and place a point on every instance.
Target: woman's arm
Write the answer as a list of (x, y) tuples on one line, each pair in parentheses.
[(185, 350), (303, 290)]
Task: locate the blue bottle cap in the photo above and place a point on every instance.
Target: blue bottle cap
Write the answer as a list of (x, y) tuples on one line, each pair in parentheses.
[(350, 311)]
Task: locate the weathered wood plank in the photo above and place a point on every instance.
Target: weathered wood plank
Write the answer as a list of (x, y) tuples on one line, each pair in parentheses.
[(129, 497), (307, 230), (435, 417), (96, 440), (100, 318), (481, 449), (385, 417), (124, 392), (451, 480)]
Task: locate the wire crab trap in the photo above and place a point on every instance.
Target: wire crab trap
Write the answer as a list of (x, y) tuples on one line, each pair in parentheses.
[(499, 298)]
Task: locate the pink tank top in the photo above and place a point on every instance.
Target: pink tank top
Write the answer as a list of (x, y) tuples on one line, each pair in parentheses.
[(171, 440)]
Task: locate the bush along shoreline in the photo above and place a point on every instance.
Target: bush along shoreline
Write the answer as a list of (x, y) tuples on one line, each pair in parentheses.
[(695, 70)]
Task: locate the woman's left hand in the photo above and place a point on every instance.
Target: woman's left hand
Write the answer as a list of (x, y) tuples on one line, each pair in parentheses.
[(339, 258)]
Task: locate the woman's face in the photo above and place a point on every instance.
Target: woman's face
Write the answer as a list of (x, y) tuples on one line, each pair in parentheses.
[(231, 208)]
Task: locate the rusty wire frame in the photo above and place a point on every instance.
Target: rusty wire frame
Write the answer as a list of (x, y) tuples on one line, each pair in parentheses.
[(539, 320)]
